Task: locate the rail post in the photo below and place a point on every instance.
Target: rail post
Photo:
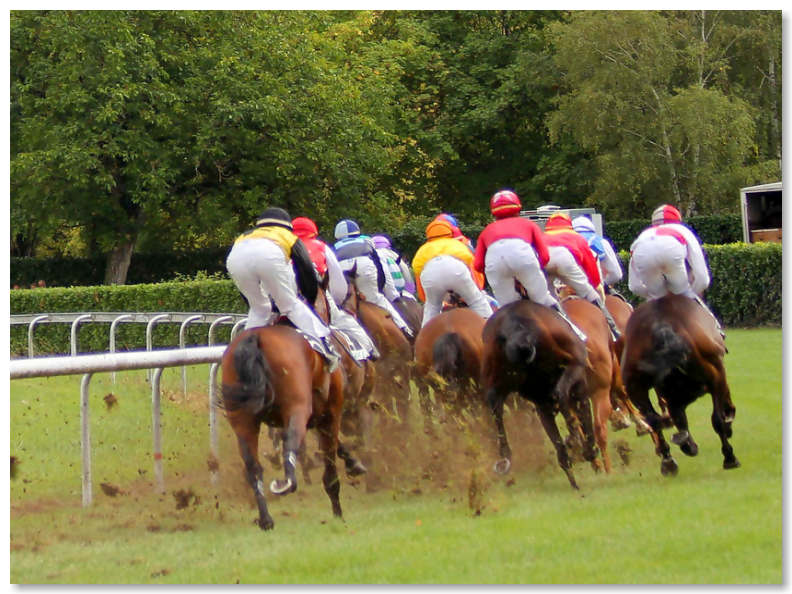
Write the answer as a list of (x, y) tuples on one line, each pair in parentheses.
[(85, 440), (182, 333), (75, 325), (157, 428), (30, 331), (113, 326), (150, 331), (213, 417)]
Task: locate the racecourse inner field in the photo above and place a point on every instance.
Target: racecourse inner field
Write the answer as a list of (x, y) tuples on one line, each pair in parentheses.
[(438, 513)]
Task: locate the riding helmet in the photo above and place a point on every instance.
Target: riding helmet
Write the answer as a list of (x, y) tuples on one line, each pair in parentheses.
[(381, 240), (346, 228), (665, 213), (304, 228), (439, 228), (505, 204), (274, 216), (583, 224)]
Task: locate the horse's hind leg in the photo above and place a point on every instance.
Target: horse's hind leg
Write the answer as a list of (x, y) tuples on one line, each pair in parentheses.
[(640, 398), (548, 422), (723, 412), (495, 402), (247, 439), (682, 438), (292, 439), (354, 467), (328, 444)]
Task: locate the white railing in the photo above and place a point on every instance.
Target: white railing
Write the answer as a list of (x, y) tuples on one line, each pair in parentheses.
[(151, 319), (90, 364)]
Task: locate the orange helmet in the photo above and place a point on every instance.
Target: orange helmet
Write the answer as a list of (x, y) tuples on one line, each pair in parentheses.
[(304, 228), (665, 213), (439, 228), (505, 204), (559, 221)]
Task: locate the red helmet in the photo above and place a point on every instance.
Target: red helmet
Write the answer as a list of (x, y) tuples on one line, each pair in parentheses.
[(559, 221), (665, 213), (505, 204), (304, 228)]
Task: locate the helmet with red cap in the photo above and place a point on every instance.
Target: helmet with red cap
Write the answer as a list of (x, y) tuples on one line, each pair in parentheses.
[(665, 213), (304, 228), (505, 204)]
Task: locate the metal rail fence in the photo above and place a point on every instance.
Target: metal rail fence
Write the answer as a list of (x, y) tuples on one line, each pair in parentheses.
[(149, 359)]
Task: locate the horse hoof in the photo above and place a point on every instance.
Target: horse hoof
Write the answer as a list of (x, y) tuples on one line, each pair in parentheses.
[(680, 438), (357, 469), (689, 448), (265, 523), (668, 467), (282, 487), (729, 464), (502, 466)]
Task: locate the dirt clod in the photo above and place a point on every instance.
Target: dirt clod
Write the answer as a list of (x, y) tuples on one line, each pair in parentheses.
[(110, 490), (185, 497), (110, 400)]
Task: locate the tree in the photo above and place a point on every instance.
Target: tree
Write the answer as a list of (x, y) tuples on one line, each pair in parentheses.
[(157, 124), (643, 91)]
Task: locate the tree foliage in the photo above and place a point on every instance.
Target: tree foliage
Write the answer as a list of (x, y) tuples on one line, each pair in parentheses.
[(152, 130)]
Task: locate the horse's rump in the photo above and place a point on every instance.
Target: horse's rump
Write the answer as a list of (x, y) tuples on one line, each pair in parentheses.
[(253, 389)]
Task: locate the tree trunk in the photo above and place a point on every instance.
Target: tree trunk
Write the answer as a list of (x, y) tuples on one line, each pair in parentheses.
[(118, 263), (774, 123)]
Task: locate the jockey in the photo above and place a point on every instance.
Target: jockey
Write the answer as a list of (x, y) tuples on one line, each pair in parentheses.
[(667, 258), (399, 269), (608, 261), (352, 249), (513, 248), (326, 264), (443, 264), (573, 263), (259, 263)]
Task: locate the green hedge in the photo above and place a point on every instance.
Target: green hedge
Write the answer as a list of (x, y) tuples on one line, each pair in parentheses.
[(745, 286), (745, 291), (143, 268), (208, 296), (154, 268)]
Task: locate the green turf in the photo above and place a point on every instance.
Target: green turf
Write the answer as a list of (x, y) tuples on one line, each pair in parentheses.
[(706, 525)]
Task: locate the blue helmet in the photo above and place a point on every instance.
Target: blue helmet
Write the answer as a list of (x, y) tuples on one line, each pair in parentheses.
[(450, 218), (346, 228)]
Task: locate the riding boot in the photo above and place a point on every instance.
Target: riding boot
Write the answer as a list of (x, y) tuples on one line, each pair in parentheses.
[(700, 301), (330, 354), (557, 307), (615, 334), (374, 354)]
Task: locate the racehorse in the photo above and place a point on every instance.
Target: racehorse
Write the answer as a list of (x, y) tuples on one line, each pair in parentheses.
[(411, 312), (272, 375), (531, 350), (450, 347), (673, 345), (602, 369), (395, 350)]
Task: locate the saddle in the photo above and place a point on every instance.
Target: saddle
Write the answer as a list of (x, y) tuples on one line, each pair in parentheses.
[(351, 346)]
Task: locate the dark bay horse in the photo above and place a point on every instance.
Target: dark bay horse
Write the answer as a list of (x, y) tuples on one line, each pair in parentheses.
[(412, 313), (271, 375), (448, 352), (531, 350), (673, 345)]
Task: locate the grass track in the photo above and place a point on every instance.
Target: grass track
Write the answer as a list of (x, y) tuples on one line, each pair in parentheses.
[(706, 525)]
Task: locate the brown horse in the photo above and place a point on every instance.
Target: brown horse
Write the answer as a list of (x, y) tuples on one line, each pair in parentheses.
[(411, 312), (395, 350), (531, 350), (602, 370), (271, 375), (673, 345), (450, 347)]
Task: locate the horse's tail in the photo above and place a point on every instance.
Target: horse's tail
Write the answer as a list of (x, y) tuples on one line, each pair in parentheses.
[(254, 389), (447, 356), (518, 339), (668, 351)]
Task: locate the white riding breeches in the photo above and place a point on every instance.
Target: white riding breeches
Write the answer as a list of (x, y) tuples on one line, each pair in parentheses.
[(563, 266), (657, 267), (446, 273), (512, 258), (260, 270), (366, 282)]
